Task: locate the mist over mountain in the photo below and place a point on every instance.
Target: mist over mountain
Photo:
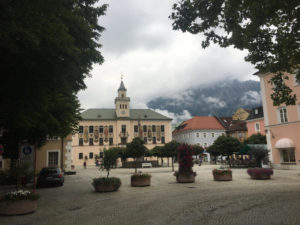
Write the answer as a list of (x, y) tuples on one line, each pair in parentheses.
[(220, 98)]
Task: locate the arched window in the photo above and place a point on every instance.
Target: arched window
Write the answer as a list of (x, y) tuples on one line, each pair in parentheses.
[(125, 106), (122, 95), (120, 106)]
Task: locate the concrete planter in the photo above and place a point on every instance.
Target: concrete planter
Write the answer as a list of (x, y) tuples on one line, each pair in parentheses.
[(222, 176), (18, 207), (140, 181), (260, 173), (106, 188), (185, 178)]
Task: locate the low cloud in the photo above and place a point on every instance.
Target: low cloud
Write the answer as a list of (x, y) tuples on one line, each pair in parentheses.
[(177, 118), (251, 97)]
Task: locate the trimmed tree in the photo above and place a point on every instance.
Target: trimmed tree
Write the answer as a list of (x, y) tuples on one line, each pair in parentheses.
[(227, 145), (256, 139), (136, 149), (213, 151), (109, 160), (171, 150)]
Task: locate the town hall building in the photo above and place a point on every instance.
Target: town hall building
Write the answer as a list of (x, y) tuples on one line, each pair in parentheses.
[(102, 129)]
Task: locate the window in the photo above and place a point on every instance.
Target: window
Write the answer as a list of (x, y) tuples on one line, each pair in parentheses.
[(101, 129), (144, 128), (162, 140), (197, 134), (111, 141), (123, 128), (91, 155), (53, 158), (154, 140), (288, 155), (80, 130), (205, 145), (91, 141), (91, 129), (120, 106), (283, 115), (125, 106), (80, 141), (162, 128), (255, 111), (204, 135), (122, 95), (80, 156), (111, 129), (101, 155), (257, 128), (153, 128), (212, 135), (136, 129), (100, 141), (145, 140)]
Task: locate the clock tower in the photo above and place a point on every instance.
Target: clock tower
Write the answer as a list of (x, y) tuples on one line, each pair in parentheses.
[(122, 102)]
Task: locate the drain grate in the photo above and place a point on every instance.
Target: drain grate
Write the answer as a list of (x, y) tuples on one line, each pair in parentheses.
[(191, 187)]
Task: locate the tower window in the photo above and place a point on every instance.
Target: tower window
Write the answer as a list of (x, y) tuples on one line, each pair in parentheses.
[(125, 106), (120, 106), (122, 95)]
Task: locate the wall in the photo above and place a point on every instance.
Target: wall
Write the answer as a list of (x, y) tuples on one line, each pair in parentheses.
[(251, 124)]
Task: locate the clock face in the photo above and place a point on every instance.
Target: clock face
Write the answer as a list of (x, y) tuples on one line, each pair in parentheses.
[(123, 112)]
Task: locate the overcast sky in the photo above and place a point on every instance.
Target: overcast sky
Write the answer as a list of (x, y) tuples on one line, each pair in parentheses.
[(155, 60)]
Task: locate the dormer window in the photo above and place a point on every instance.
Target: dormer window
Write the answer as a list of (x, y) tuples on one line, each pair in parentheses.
[(256, 111), (122, 95)]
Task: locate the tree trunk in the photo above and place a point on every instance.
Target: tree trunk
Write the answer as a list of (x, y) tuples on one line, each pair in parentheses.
[(168, 161), (135, 165), (172, 163)]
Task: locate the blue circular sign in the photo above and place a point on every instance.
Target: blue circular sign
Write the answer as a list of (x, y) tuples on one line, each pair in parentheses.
[(27, 150)]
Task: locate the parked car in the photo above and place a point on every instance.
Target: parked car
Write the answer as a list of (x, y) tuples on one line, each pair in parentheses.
[(50, 176)]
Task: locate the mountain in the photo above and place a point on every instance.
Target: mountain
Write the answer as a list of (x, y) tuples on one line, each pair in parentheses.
[(220, 98)]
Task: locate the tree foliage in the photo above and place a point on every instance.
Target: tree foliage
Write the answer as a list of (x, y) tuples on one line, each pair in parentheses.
[(256, 139), (268, 29), (258, 154), (197, 149), (109, 160), (47, 48), (171, 149), (226, 145)]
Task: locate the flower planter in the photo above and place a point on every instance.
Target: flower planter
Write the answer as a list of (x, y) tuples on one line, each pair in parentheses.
[(222, 174), (18, 207), (260, 173), (140, 181), (185, 178), (106, 188)]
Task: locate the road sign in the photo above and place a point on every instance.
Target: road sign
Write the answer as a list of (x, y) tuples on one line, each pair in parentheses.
[(27, 150)]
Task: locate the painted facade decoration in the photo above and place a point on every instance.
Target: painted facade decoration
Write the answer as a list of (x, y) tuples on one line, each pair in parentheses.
[(116, 127), (282, 124)]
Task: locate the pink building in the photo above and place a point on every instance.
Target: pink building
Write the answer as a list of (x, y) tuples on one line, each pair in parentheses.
[(255, 121), (282, 125)]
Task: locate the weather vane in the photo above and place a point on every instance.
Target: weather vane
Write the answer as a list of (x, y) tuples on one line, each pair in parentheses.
[(121, 76)]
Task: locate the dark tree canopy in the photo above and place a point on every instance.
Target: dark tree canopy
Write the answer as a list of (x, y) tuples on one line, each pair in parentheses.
[(226, 145), (171, 149), (47, 48), (268, 29), (256, 139)]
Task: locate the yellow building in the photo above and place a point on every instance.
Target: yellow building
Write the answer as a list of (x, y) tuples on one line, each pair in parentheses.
[(102, 129)]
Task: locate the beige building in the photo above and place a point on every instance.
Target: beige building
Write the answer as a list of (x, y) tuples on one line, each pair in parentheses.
[(102, 129)]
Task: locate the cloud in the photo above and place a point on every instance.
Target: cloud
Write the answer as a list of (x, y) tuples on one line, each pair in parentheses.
[(156, 60), (177, 118), (214, 102), (251, 97)]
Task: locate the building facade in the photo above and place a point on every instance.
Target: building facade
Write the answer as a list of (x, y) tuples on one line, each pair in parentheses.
[(102, 129), (255, 121), (282, 124), (200, 130)]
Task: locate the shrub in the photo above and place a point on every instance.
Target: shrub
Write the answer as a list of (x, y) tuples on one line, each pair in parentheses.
[(222, 171), (116, 182), (185, 158), (140, 175), (260, 171), (20, 195)]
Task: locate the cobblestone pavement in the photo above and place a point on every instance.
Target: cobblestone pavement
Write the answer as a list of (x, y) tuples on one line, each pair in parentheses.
[(165, 202)]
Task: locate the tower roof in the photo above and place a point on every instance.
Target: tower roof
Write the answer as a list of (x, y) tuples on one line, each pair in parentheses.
[(122, 87)]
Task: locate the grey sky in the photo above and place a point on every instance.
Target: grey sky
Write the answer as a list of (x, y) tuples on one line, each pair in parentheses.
[(155, 60)]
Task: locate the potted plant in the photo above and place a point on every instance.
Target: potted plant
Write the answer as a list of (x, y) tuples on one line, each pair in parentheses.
[(136, 149), (140, 179), (18, 202), (185, 173), (260, 173), (222, 174), (107, 184)]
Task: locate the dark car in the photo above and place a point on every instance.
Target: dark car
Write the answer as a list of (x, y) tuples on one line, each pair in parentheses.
[(50, 176)]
